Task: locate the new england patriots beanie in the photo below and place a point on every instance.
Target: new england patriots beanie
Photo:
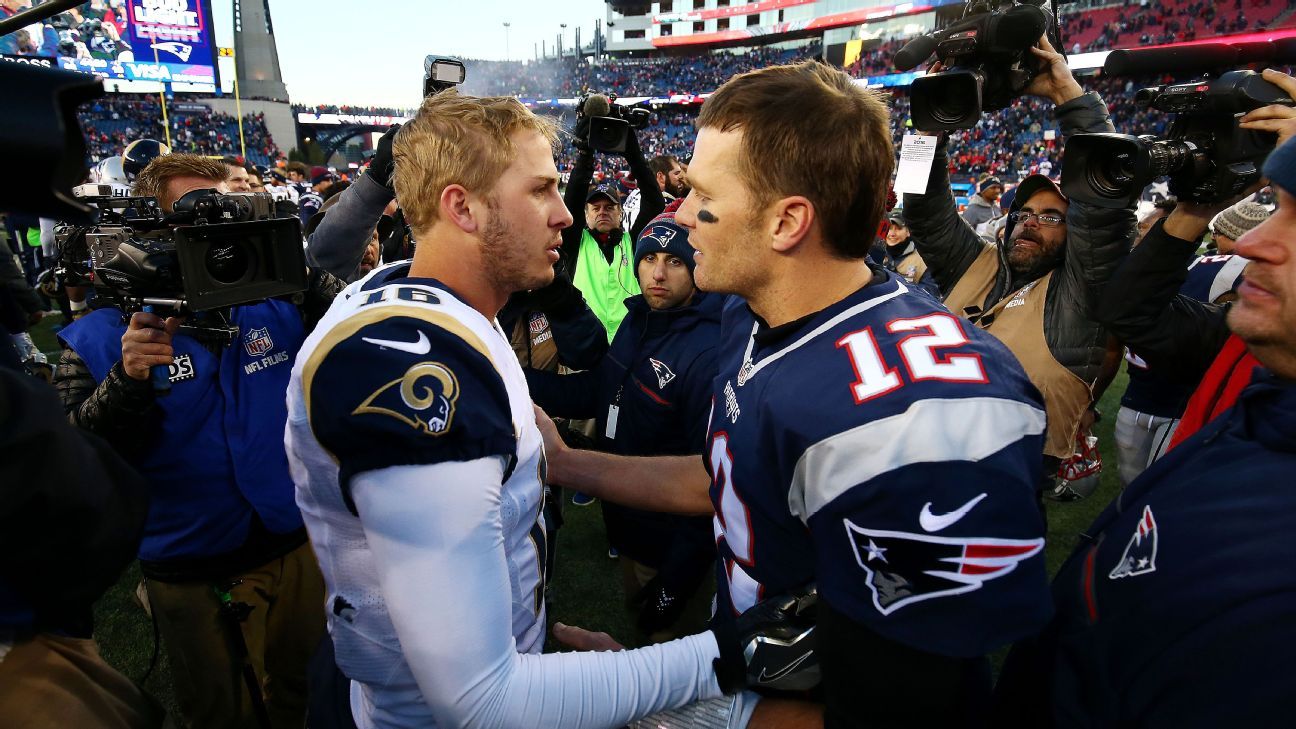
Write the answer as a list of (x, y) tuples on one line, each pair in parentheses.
[(1280, 168), (664, 234)]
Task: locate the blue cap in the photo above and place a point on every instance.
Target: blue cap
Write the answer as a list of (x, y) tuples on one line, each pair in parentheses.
[(1280, 168), (663, 234)]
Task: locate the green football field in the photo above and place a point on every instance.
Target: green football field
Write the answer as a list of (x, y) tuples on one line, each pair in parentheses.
[(586, 586)]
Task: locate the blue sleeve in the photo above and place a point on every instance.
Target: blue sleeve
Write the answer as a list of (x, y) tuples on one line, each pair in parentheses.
[(435, 398), (945, 556), (695, 405), (580, 337)]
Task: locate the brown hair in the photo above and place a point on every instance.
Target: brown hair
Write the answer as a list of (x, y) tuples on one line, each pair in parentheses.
[(298, 167), (152, 180), (457, 139), (808, 129)]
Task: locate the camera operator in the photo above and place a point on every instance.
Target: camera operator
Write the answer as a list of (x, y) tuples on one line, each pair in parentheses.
[(597, 248), (339, 242), (1153, 633), (1175, 334), (650, 396), (1030, 292), (223, 521)]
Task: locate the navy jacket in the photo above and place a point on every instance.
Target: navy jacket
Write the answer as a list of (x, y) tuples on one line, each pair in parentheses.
[(658, 374), (1177, 609)]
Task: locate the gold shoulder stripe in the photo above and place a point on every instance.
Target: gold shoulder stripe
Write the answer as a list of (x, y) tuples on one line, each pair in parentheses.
[(354, 323)]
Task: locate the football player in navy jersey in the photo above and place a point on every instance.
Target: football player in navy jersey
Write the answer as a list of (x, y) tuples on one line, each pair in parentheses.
[(861, 437)]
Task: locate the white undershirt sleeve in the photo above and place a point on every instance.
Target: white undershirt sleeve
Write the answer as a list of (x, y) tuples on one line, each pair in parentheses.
[(437, 535)]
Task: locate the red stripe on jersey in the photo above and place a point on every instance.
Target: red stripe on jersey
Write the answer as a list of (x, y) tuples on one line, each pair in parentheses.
[(991, 551)]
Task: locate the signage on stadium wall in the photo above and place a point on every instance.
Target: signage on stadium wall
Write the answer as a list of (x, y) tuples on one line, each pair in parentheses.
[(192, 108), (305, 117), (729, 11), (821, 23)]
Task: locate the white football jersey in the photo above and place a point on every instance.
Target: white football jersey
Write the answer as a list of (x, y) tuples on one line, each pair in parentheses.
[(401, 372)]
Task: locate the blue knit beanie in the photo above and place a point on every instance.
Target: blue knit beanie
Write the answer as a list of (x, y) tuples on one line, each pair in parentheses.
[(664, 234), (1280, 168)]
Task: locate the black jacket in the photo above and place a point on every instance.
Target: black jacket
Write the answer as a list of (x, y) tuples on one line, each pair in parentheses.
[(659, 374), (652, 202), (1141, 305), (1097, 240)]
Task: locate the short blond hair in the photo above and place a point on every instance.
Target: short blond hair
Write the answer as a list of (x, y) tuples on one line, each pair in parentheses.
[(840, 157), (152, 180), (456, 139)]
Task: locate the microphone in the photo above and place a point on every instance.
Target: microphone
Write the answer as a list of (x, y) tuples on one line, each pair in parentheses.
[(914, 52), (1182, 59), (597, 105)]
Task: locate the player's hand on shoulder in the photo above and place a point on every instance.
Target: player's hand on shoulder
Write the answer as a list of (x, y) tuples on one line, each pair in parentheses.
[(401, 390)]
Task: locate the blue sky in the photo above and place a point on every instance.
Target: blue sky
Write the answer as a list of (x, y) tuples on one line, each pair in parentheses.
[(372, 52)]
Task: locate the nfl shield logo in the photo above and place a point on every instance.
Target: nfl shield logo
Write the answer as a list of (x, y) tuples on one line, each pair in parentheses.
[(258, 342)]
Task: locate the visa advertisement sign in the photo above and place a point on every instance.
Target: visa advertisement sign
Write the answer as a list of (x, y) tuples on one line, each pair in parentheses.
[(166, 41)]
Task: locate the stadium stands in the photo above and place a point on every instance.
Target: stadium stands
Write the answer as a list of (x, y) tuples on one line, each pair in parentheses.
[(112, 123)]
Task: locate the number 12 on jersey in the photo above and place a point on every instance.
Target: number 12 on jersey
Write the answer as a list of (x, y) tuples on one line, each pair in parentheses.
[(918, 351)]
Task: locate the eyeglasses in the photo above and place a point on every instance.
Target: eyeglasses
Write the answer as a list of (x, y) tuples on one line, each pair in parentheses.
[(1045, 221)]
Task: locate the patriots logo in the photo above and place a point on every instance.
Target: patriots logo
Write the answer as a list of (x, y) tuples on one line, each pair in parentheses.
[(423, 398), (1139, 557), (660, 234), (905, 568), (258, 342), (180, 50), (664, 374)]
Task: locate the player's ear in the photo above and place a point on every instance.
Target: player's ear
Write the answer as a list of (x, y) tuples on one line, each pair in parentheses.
[(789, 220), (457, 208)]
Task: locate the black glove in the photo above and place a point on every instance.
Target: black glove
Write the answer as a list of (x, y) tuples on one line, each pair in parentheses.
[(560, 298), (381, 166), (660, 605), (771, 646)]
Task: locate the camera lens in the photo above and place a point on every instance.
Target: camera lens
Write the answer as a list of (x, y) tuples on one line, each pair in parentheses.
[(1112, 176), (227, 262), (1168, 157)]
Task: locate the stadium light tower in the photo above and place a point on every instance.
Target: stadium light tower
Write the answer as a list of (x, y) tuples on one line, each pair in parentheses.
[(507, 57), (562, 38), (254, 47)]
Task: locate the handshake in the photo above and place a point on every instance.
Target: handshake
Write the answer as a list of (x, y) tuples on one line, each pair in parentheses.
[(771, 647)]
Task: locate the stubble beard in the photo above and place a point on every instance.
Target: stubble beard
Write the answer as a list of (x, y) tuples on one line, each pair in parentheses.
[(505, 258)]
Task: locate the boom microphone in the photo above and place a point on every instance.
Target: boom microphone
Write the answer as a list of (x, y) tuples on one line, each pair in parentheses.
[(597, 105), (1180, 59), (914, 52)]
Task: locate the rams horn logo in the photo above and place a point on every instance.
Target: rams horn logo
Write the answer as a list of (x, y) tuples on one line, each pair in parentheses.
[(181, 50), (423, 398)]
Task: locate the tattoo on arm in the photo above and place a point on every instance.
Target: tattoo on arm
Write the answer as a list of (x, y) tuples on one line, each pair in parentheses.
[(707, 216)]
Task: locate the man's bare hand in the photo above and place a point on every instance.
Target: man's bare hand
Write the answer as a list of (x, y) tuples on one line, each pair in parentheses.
[(1275, 117), (147, 342), (554, 447), (1055, 81), (584, 640)]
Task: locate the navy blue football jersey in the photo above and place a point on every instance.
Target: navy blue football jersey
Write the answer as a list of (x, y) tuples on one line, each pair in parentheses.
[(889, 452)]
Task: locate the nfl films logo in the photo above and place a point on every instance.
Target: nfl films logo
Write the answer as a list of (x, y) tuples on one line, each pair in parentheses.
[(258, 342)]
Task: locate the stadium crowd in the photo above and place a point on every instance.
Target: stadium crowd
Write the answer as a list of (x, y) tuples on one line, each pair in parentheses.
[(111, 123), (830, 427)]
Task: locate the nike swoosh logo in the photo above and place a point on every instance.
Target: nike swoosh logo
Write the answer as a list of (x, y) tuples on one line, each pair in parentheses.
[(933, 523), (766, 678), (420, 346)]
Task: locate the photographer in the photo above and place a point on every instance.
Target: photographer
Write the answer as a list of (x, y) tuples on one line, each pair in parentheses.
[(223, 531), (339, 242), (1152, 632), (1030, 292), (597, 248)]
